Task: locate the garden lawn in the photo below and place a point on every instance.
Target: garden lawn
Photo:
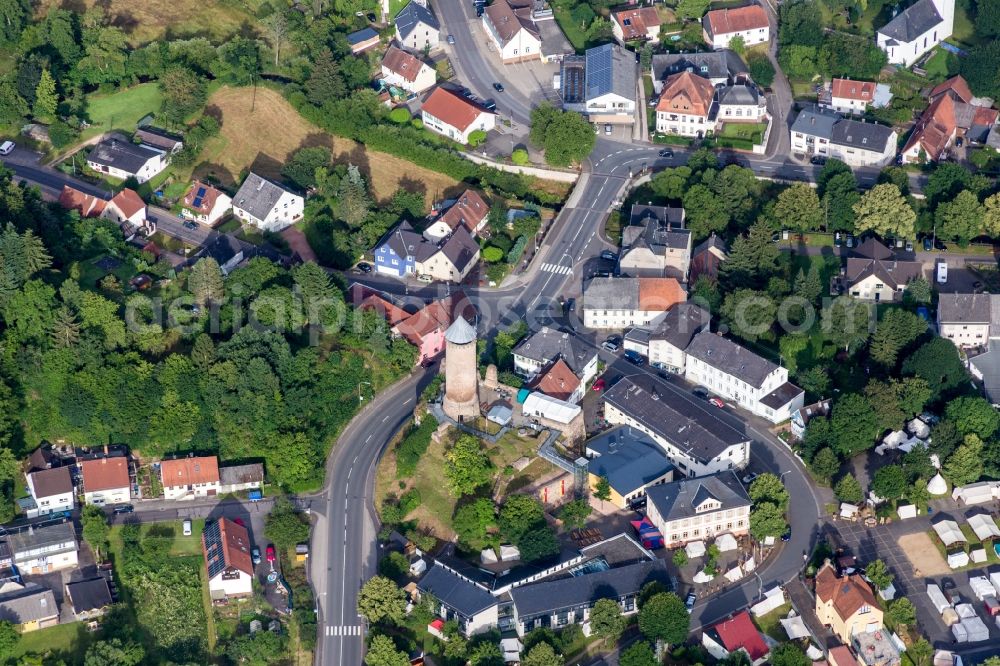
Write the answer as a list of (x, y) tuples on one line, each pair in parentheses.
[(571, 29), (770, 625), (121, 110), (742, 130), (63, 641), (180, 545), (937, 65), (395, 6)]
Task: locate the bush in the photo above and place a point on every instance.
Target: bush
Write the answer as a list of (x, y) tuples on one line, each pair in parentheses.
[(61, 134), (673, 140), (400, 115), (492, 255), (417, 123), (413, 446), (409, 502), (477, 138), (519, 157), (517, 250)]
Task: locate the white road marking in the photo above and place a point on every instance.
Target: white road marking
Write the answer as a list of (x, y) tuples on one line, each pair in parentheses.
[(557, 269), (344, 630)]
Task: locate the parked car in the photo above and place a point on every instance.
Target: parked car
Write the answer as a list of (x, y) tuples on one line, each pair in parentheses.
[(850, 240), (700, 391), (633, 357), (750, 478), (666, 152), (190, 225), (7, 147), (939, 245), (186, 527), (490, 105), (365, 267), (690, 601), (818, 160), (451, 39), (787, 535), (608, 255), (836, 239), (255, 555), (124, 508), (909, 246), (607, 345), (607, 128), (717, 402), (425, 278), (928, 244), (599, 384), (270, 553)]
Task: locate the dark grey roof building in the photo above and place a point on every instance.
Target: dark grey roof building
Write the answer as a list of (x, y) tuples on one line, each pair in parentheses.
[(723, 66), (866, 136), (628, 458), (411, 16), (548, 344), (681, 499), (574, 596), (122, 155), (610, 69), (28, 605), (696, 433), (258, 196), (361, 36), (731, 358), (912, 22), (740, 94), (90, 597), (460, 248), (459, 594), (816, 121), (643, 214), (681, 323)]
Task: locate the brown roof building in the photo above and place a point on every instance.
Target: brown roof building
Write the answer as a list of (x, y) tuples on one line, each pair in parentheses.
[(719, 22), (226, 546), (128, 202), (50, 482), (452, 109), (952, 113), (86, 204), (190, 472), (402, 63), (861, 91), (104, 474), (688, 94), (470, 210), (636, 23), (557, 381), (846, 604)]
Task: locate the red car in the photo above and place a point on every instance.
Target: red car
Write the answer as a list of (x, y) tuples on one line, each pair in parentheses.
[(599, 384), (717, 402), (269, 553)]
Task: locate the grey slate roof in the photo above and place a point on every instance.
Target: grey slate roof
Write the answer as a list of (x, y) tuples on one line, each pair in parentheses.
[(611, 293), (31, 604), (123, 155), (362, 35), (722, 64), (963, 309), (548, 344), (459, 594), (225, 247), (89, 595), (159, 138), (565, 593), (913, 22), (893, 273), (406, 242), (741, 94), (642, 213), (232, 475), (629, 459), (258, 195), (678, 500), (730, 358), (697, 433), (45, 536), (681, 323), (611, 69), (460, 248), (781, 396), (988, 366), (411, 16), (857, 134), (816, 121)]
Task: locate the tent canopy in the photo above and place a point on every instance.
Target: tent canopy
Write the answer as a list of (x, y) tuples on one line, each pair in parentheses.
[(949, 532), (848, 510), (984, 526), (795, 628), (695, 549), (734, 574), (937, 485), (726, 542)]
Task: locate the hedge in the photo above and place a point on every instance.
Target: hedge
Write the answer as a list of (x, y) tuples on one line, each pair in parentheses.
[(413, 447), (515, 253), (734, 142), (673, 140)]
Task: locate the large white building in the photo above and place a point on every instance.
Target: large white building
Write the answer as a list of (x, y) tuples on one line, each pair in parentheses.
[(52, 490), (696, 441), (226, 546), (417, 29), (698, 509), (665, 344), (965, 318), (513, 32), (455, 116), (601, 85), (190, 477), (105, 480), (266, 205), (749, 23), (819, 131), (620, 302), (540, 352), (404, 70), (123, 159), (916, 30), (686, 106), (735, 373), (43, 548)]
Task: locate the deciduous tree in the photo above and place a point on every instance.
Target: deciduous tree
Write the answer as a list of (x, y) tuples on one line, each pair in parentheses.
[(965, 465), (520, 514), (767, 520), (574, 514), (889, 482), (542, 654), (789, 654), (205, 281), (902, 611), (938, 362), (848, 490), (768, 488), (960, 219), (382, 651), (853, 425), (798, 208), (973, 414), (664, 617), (883, 210), (380, 599), (607, 621), (565, 136), (825, 464)]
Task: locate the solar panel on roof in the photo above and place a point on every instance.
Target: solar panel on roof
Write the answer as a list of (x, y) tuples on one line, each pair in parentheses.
[(197, 202), (201, 192)]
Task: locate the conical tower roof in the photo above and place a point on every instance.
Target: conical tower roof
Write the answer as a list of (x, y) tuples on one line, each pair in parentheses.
[(460, 332), (937, 485)]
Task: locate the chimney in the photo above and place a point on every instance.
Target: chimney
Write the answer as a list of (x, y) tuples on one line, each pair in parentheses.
[(260, 185)]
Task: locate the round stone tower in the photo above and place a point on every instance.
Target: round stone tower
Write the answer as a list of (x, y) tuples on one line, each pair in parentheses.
[(461, 376)]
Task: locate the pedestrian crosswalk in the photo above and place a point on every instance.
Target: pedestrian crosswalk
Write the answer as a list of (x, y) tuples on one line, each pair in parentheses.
[(344, 630), (557, 269)]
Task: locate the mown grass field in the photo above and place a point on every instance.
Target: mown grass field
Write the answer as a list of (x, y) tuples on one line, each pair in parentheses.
[(121, 110), (264, 139), (149, 20)]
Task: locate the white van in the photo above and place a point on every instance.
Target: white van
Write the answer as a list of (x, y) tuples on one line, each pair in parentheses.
[(7, 147), (187, 527), (942, 271)]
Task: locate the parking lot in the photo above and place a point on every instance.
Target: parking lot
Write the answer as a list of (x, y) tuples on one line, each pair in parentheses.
[(889, 543)]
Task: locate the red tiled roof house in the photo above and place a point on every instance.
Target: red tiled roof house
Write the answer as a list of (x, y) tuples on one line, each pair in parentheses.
[(187, 478), (735, 634), (635, 23), (204, 203), (226, 546), (750, 23), (454, 116)]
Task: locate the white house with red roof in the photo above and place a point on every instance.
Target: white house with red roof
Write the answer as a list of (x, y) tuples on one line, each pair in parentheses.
[(469, 210), (953, 113), (126, 206), (204, 203), (749, 23), (850, 96), (635, 23), (404, 70), (735, 634), (454, 116), (226, 546)]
